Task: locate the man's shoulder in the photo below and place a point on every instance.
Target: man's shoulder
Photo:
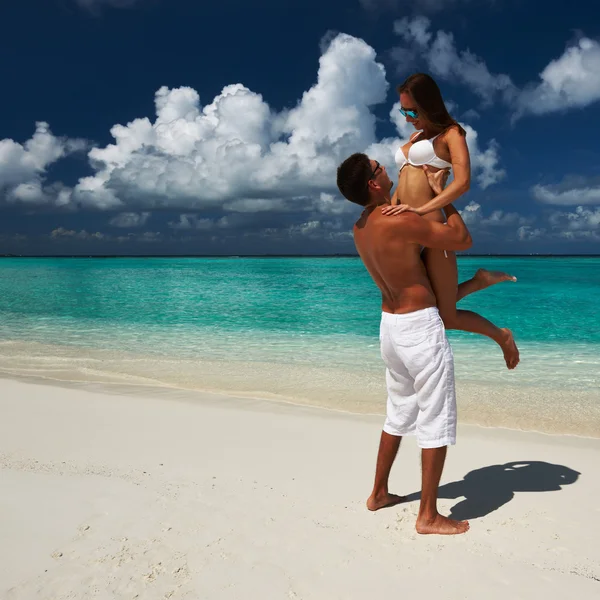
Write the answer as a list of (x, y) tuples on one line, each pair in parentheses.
[(404, 229), (387, 228), (375, 219), (368, 220), (400, 222)]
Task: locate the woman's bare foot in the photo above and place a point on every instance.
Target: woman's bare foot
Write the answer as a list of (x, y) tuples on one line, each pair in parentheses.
[(511, 352), (441, 526), (384, 501), (487, 278)]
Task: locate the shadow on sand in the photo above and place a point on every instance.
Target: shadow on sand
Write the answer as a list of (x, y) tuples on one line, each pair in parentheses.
[(487, 489)]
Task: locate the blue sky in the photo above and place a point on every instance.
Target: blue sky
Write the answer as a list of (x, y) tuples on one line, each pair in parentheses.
[(183, 127)]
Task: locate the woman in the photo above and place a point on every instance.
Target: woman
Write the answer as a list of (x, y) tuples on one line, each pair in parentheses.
[(440, 145)]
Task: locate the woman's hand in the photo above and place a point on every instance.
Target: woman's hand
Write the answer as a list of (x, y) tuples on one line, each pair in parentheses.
[(399, 209), (437, 180)]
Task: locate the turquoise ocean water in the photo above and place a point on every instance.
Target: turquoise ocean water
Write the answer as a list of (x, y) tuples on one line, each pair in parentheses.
[(300, 328)]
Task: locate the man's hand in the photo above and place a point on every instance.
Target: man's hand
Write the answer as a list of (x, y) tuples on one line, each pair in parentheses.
[(437, 180), (398, 209)]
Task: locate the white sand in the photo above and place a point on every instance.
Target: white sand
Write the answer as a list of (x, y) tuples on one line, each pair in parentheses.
[(198, 497)]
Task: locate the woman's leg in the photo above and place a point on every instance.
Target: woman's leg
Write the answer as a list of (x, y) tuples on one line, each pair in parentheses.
[(481, 280), (443, 274)]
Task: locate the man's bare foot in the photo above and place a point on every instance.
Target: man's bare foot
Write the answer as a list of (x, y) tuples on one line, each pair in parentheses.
[(487, 278), (511, 352), (441, 526), (384, 501)]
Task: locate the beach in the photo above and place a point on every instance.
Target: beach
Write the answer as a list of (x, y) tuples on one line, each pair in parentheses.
[(302, 330), (207, 429), (111, 492)]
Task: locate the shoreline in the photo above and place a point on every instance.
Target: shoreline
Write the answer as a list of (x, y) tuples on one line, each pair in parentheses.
[(188, 495), (177, 393), (489, 404)]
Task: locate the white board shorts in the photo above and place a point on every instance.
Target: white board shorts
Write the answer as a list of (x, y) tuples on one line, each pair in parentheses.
[(420, 377)]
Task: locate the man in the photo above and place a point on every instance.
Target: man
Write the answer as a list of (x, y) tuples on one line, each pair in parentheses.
[(418, 357)]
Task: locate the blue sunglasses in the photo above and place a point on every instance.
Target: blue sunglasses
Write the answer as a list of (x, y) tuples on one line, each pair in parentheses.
[(413, 114)]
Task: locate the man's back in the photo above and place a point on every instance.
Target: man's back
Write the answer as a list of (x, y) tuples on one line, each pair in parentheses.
[(393, 262)]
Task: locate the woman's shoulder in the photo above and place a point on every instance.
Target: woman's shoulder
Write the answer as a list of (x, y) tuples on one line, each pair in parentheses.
[(453, 131)]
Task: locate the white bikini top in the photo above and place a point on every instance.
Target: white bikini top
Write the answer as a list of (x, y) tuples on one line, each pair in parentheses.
[(421, 153)]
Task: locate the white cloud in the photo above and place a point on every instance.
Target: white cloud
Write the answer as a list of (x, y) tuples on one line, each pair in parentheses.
[(192, 221), (573, 190), (28, 193), (61, 232), (526, 233), (325, 203), (308, 228), (474, 217), (326, 40), (471, 114), (253, 205), (236, 154), (415, 30), (129, 219), (333, 205), (512, 228), (147, 236), (23, 166), (443, 60), (583, 223), (236, 146), (484, 163), (572, 80), (471, 214), (319, 230)]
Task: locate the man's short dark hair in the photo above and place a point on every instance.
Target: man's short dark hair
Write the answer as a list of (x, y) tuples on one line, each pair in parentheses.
[(353, 178)]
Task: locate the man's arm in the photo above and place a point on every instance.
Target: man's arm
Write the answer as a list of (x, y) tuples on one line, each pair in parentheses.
[(454, 235)]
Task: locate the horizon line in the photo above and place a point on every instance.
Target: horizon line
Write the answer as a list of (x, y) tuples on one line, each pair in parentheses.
[(340, 255)]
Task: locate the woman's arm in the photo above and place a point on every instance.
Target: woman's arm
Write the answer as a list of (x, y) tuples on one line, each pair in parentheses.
[(461, 165)]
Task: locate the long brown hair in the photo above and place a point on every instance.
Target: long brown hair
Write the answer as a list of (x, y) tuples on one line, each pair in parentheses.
[(428, 98)]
